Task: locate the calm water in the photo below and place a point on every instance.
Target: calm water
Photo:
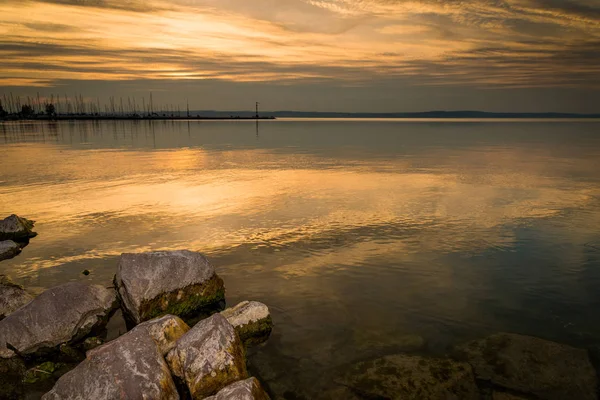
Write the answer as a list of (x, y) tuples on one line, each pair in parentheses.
[(353, 232)]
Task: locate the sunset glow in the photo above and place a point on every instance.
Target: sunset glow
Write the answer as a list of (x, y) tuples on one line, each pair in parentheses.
[(478, 44)]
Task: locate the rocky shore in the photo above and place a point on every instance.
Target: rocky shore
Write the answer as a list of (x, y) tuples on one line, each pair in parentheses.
[(183, 343)]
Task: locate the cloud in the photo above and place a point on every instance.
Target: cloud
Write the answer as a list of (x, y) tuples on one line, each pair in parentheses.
[(483, 43)]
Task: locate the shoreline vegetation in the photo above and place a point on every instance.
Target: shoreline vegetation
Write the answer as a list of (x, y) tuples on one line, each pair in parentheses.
[(181, 342)]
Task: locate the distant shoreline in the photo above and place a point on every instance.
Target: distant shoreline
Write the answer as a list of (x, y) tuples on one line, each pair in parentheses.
[(211, 115)]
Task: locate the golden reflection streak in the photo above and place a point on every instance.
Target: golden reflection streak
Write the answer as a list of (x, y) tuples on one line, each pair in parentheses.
[(225, 197)]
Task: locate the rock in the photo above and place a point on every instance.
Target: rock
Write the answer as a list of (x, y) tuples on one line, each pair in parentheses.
[(532, 366), (249, 389), (91, 343), (506, 396), (40, 372), (165, 331), (63, 314), (208, 357), (70, 354), (16, 228), (12, 296), (166, 282), (130, 367), (251, 321), (8, 249), (411, 377)]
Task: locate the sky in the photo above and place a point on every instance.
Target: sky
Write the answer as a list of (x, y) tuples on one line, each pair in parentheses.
[(308, 55)]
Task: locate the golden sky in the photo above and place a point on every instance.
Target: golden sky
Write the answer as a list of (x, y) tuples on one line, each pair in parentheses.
[(475, 44)]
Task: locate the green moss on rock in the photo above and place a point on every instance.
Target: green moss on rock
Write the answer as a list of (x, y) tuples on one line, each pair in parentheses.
[(40, 372), (185, 301)]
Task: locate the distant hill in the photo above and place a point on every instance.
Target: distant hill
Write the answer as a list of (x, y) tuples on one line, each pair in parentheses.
[(427, 114)]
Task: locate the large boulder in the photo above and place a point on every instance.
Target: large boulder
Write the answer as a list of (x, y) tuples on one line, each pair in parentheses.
[(129, 367), (249, 389), (12, 296), (8, 249), (63, 314), (166, 282), (405, 377), (208, 357), (16, 228), (251, 320), (532, 366)]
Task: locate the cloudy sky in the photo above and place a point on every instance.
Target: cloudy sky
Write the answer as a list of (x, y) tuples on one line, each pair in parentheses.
[(324, 55)]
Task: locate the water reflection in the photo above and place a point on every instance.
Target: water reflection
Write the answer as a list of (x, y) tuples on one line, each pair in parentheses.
[(354, 232)]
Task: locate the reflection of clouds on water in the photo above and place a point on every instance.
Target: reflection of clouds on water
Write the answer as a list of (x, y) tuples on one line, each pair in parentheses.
[(218, 200)]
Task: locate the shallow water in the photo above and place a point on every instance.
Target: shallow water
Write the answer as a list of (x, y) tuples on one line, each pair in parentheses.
[(355, 233)]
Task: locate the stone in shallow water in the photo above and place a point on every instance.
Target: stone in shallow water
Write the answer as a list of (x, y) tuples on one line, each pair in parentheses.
[(166, 282), (208, 357), (12, 296), (249, 389), (411, 377), (130, 367), (16, 228), (533, 366), (8, 249), (60, 315), (251, 320)]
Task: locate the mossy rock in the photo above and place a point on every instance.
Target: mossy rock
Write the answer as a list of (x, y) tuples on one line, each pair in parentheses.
[(40, 373), (251, 320), (209, 357), (407, 377), (154, 284)]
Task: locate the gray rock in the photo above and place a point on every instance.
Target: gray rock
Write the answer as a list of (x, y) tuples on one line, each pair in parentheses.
[(8, 249), (249, 389), (130, 367), (12, 296), (16, 228), (411, 377), (251, 320), (166, 282), (532, 366), (60, 315), (165, 331), (208, 357)]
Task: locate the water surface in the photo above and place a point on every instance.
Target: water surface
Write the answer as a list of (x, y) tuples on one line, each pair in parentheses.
[(355, 233)]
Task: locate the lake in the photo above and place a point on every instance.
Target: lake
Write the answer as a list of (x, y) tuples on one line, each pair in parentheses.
[(354, 232)]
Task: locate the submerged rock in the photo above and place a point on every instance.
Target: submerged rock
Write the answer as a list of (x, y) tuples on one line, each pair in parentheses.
[(506, 396), (59, 315), (411, 377), (9, 249), (251, 320), (532, 366), (16, 228), (130, 367), (12, 296), (208, 357), (166, 282), (249, 389)]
